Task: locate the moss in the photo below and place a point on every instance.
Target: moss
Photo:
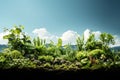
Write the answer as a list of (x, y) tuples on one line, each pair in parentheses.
[(73, 67), (96, 53), (46, 58), (80, 55)]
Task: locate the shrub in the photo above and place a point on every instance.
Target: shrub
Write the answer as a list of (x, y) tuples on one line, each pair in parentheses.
[(47, 65), (15, 54), (14, 59), (59, 60), (46, 58), (63, 67), (69, 53), (96, 53), (2, 61), (84, 61), (73, 67), (80, 55), (22, 63), (18, 40), (53, 51)]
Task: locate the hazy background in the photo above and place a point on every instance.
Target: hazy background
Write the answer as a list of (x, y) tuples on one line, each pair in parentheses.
[(55, 17)]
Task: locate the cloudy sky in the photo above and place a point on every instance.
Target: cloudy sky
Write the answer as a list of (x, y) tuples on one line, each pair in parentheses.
[(51, 19)]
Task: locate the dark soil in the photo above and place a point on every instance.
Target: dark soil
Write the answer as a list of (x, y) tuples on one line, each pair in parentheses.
[(40, 74)]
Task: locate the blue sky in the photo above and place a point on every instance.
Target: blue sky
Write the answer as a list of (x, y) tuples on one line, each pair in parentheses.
[(59, 16)]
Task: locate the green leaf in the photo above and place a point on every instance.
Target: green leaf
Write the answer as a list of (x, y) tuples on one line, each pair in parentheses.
[(59, 44), (18, 31), (6, 36)]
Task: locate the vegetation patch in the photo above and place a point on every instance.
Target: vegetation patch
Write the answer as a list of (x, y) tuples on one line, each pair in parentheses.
[(26, 53)]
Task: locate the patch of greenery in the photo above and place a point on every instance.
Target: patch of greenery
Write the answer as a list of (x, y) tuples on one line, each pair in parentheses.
[(23, 52)]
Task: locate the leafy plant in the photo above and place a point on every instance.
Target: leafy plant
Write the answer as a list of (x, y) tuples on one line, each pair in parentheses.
[(18, 40), (46, 58), (2, 60), (91, 43), (69, 53), (80, 43), (24, 53), (22, 63), (81, 55), (106, 40), (15, 54), (96, 53), (39, 42), (55, 50)]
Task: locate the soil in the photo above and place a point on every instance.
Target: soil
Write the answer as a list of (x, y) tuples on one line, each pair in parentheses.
[(40, 74)]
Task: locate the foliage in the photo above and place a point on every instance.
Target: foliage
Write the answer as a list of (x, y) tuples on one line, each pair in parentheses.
[(22, 63), (69, 53), (39, 45), (24, 53), (18, 40), (2, 60), (46, 58), (59, 44), (90, 44), (96, 53), (38, 42), (81, 55), (55, 50), (106, 40), (15, 54), (80, 43), (85, 61)]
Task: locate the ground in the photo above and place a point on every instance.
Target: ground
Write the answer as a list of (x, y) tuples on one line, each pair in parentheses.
[(37, 74)]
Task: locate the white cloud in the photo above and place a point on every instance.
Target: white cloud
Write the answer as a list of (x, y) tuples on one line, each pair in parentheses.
[(3, 41), (117, 41), (44, 34), (69, 37), (86, 34), (97, 34)]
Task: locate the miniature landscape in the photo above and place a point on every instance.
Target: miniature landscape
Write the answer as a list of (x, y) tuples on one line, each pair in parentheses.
[(24, 53)]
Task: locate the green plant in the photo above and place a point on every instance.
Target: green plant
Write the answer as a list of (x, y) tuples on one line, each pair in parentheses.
[(15, 54), (96, 56), (80, 43), (106, 39), (39, 45), (2, 60), (47, 65), (39, 42), (18, 40), (22, 63), (55, 50), (69, 53), (59, 44), (96, 53), (85, 63), (45, 58), (81, 55), (90, 43), (90, 54)]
